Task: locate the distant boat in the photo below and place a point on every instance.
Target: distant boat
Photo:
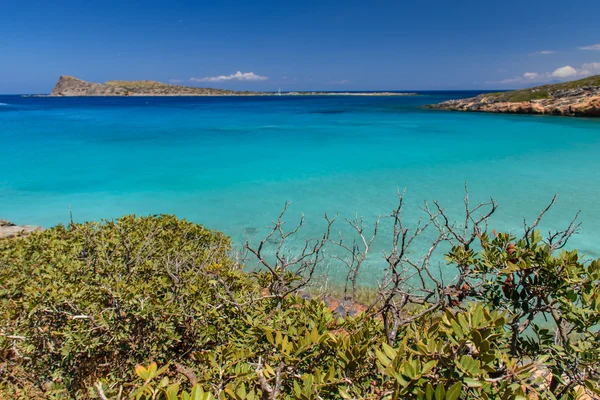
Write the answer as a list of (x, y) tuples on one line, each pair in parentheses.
[(279, 92)]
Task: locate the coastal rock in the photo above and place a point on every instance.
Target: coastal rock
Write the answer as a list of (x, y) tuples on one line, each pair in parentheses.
[(71, 86), (9, 230), (577, 98), (344, 307)]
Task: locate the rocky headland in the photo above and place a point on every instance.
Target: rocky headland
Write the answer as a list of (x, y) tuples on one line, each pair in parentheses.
[(576, 98)]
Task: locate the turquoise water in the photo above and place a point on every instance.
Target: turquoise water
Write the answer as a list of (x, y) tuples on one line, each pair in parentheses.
[(231, 163)]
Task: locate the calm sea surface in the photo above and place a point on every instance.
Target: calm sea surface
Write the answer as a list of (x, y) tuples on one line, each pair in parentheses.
[(231, 163)]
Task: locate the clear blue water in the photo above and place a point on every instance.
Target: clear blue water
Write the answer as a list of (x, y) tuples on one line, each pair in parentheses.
[(231, 163)]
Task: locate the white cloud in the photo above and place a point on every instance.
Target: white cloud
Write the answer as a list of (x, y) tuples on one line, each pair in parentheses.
[(342, 82), (565, 72), (238, 76), (527, 77), (543, 53), (591, 47), (589, 69)]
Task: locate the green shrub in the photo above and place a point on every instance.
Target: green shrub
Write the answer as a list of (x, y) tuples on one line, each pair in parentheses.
[(92, 311), (459, 356), (85, 301)]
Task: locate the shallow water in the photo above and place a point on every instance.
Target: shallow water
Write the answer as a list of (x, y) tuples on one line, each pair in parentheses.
[(232, 162)]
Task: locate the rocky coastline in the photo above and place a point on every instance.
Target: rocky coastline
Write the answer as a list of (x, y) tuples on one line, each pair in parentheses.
[(578, 98), (9, 230)]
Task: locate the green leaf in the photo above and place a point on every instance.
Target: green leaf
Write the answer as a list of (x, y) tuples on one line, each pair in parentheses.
[(477, 339), (429, 392), (454, 392), (344, 393), (172, 391), (389, 351), (440, 392), (382, 358), (456, 328), (197, 393), (428, 366), (472, 383)]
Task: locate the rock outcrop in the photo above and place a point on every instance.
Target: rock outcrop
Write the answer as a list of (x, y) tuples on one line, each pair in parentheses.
[(8, 229), (577, 98), (71, 86)]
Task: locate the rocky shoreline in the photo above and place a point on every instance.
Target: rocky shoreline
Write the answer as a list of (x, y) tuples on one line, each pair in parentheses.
[(578, 98), (9, 230)]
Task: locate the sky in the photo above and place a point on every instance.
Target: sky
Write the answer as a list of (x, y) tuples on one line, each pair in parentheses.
[(300, 45)]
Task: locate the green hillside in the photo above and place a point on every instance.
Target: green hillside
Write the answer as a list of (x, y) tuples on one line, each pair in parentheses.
[(543, 92)]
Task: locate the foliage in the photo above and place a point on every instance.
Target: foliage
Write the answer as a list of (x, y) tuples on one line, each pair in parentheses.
[(518, 96), (531, 286), (93, 310), (85, 301)]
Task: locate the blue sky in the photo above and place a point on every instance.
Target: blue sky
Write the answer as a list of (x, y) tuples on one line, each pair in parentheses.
[(300, 45)]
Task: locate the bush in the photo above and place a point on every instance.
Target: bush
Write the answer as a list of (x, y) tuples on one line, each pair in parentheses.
[(461, 355), (92, 311), (85, 301)]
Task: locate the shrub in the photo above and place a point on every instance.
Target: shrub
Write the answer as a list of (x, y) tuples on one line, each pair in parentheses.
[(460, 356), (92, 310), (85, 301)]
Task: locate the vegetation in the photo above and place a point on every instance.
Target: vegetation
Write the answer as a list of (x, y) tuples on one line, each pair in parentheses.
[(92, 310), (542, 92), (155, 87), (518, 96)]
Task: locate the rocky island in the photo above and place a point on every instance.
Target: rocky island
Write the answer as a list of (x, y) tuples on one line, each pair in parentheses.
[(576, 98), (69, 86)]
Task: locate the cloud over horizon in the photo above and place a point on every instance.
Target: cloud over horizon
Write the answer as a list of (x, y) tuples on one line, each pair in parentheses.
[(238, 76), (593, 47), (590, 69), (543, 53), (563, 73)]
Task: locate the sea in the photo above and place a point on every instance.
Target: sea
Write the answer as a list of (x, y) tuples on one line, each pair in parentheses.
[(232, 163)]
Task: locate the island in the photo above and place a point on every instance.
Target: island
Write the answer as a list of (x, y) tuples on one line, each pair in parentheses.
[(69, 86), (575, 98)]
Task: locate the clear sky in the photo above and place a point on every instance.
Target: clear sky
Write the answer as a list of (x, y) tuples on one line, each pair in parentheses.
[(300, 44)]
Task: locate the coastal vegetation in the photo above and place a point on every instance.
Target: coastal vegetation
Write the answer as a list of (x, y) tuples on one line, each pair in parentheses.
[(160, 308)]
